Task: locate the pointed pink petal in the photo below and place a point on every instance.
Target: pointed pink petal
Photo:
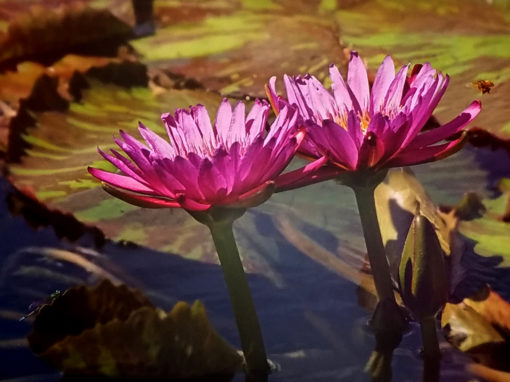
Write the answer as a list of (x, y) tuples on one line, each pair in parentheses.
[(357, 80), (297, 95), (393, 137), (256, 119), (141, 200), (283, 156), (454, 126), (421, 112), (335, 141), (173, 132), (321, 101), (203, 122), (253, 159), (155, 142), (192, 205), (312, 173), (372, 148), (223, 162), (426, 154), (340, 92), (185, 172), (383, 78), (273, 97), (254, 197), (354, 128), (395, 91), (124, 165), (211, 182), (120, 181), (223, 121), (238, 125)]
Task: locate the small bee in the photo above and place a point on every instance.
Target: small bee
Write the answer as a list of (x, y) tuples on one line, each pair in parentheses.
[(484, 86), (36, 306)]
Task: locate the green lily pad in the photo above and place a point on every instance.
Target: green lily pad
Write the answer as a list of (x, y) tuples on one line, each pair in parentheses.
[(466, 39), (234, 47), (491, 231)]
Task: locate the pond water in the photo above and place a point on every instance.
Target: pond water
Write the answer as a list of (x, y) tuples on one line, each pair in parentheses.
[(313, 320)]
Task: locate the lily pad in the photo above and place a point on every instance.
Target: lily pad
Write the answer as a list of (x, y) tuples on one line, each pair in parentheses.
[(113, 331), (491, 231), (46, 32), (234, 47), (466, 39), (480, 326)]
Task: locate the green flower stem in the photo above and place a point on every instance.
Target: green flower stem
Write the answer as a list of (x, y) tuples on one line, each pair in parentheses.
[(429, 338), (374, 243), (240, 297)]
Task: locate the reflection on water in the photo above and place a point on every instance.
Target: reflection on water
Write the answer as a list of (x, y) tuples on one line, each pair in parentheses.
[(313, 328)]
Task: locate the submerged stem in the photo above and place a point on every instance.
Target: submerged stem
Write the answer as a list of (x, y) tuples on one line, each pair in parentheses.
[(240, 297), (374, 243), (429, 338)]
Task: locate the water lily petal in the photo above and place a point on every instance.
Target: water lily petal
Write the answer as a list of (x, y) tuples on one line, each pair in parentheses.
[(256, 120), (295, 88), (357, 80), (223, 120), (120, 181), (254, 197), (145, 201), (395, 91), (336, 142), (383, 78), (155, 142), (372, 148), (192, 205), (454, 126), (314, 172), (340, 92), (123, 164), (426, 154)]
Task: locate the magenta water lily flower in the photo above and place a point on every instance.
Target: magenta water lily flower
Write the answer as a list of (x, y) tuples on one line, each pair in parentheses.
[(235, 163), (360, 128)]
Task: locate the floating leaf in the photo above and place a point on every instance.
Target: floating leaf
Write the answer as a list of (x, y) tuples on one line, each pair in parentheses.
[(466, 39), (491, 231), (234, 47), (480, 326), (113, 331), (468, 331), (492, 308), (51, 32)]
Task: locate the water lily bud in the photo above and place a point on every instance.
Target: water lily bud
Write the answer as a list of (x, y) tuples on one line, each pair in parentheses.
[(422, 272)]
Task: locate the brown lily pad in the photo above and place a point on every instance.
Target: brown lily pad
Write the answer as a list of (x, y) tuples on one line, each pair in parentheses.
[(113, 331), (45, 33), (480, 326), (466, 39), (234, 47)]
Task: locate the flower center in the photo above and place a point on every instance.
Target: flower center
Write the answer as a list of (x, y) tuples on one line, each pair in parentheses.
[(364, 121)]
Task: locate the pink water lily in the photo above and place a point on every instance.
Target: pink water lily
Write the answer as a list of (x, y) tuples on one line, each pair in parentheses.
[(236, 163), (358, 129)]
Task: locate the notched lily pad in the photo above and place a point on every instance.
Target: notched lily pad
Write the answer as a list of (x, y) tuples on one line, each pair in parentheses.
[(480, 326), (491, 231), (113, 331), (46, 33), (234, 47)]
